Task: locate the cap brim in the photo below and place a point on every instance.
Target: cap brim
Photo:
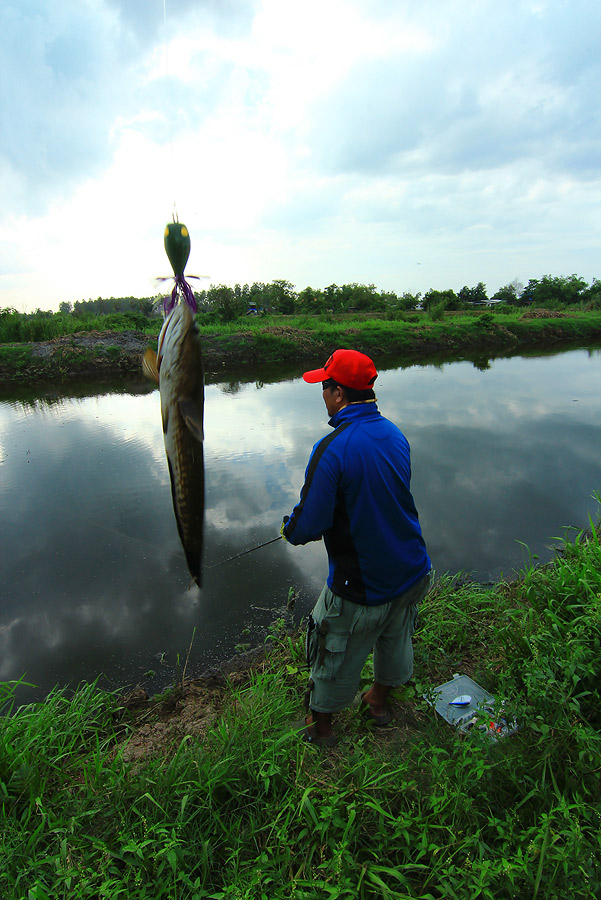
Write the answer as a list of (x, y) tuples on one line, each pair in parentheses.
[(315, 375)]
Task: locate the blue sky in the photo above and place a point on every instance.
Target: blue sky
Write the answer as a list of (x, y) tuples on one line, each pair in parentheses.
[(379, 141)]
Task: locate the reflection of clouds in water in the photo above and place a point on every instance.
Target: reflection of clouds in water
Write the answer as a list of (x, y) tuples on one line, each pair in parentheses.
[(66, 634), (511, 390), (478, 494), (260, 443), (255, 499), (54, 435), (265, 422), (311, 562)]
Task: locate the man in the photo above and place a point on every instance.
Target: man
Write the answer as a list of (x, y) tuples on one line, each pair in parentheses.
[(356, 496)]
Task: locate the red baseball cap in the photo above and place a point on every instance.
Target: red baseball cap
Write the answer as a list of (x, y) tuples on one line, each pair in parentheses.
[(349, 368)]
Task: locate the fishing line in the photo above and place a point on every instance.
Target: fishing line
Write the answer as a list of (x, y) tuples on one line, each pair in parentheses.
[(244, 552), (116, 531), (167, 112), (160, 550)]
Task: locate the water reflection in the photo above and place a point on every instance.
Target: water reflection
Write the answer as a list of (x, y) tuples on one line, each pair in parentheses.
[(94, 579)]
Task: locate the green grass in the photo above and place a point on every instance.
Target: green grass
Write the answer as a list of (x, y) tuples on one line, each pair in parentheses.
[(413, 812), (15, 356), (18, 327)]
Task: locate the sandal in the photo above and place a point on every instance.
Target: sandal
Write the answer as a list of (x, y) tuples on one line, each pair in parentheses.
[(305, 734), (372, 720)]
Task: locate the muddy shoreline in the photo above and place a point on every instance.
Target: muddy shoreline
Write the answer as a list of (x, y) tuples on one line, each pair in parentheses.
[(98, 355)]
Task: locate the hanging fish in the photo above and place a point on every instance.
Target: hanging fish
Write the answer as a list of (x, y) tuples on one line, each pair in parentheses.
[(177, 369), (177, 247)]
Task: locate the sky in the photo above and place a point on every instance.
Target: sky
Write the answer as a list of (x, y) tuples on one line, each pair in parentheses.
[(388, 142)]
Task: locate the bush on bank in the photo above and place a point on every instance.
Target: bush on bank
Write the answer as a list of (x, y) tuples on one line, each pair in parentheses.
[(411, 812)]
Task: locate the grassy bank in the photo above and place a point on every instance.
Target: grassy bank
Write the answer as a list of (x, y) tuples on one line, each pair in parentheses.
[(115, 343), (239, 808)]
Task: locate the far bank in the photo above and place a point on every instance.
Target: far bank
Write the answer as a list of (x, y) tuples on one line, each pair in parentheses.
[(103, 353)]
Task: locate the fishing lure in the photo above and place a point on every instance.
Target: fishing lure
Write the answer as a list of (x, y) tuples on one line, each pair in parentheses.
[(463, 700), (177, 247)]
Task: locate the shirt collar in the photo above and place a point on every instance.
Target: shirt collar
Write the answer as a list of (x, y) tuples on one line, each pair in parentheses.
[(354, 411)]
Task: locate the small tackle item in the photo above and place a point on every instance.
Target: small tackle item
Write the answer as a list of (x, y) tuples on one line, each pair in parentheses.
[(177, 246)]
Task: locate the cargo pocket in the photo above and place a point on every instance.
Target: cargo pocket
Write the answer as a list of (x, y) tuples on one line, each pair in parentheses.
[(414, 611), (311, 642), (334, 654)]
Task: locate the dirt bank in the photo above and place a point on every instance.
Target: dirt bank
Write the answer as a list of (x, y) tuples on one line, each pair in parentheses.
[(158, 725), (102, 354)]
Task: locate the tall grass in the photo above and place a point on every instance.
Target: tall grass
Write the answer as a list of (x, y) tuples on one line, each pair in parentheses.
[(18, 327), (411, 812)]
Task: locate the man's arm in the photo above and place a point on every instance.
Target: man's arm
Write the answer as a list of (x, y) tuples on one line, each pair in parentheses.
[(314, 513)]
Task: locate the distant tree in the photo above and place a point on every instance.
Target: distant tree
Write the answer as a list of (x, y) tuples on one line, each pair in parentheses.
[(527, 297), (592, 295), (282, 296), (448, 298), (311, 300), (333, 297), (65, 307), (508, 294), (104, 306), (364, 297), (479, 293), (474, 296), (225, 303), (259, 294), (242, 292), (203, 303), (554, 291), (408, 301), (144, 305)]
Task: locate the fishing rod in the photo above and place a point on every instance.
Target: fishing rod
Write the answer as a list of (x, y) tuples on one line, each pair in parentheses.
[(244, 552)]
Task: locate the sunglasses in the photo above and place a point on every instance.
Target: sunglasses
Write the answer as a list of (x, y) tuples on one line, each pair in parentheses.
[(328, 385)]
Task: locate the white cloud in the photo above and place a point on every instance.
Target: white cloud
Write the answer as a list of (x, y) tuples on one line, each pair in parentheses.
[(329, 142)]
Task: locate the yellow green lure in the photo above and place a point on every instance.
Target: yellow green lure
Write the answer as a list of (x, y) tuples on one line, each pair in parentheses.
[(177, 247)]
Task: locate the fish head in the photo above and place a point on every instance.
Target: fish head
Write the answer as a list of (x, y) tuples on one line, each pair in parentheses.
[(178, 343), (179, 364)]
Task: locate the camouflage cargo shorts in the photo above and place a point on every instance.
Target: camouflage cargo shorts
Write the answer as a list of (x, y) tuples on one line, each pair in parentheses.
[(341, 635)]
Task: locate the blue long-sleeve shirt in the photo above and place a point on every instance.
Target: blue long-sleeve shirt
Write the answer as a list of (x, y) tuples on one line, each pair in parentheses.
[(356, 496)]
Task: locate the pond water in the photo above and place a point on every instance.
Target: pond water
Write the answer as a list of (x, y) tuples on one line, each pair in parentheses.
[(94, 582)]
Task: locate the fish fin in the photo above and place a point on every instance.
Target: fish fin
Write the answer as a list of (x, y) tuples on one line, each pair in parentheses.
[(149, 364), (193, 418)]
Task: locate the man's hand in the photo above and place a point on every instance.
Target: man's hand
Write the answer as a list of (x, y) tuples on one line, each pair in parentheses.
[(282, 529)]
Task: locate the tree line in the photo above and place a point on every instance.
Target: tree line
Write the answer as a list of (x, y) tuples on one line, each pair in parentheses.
[(224, 303)]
